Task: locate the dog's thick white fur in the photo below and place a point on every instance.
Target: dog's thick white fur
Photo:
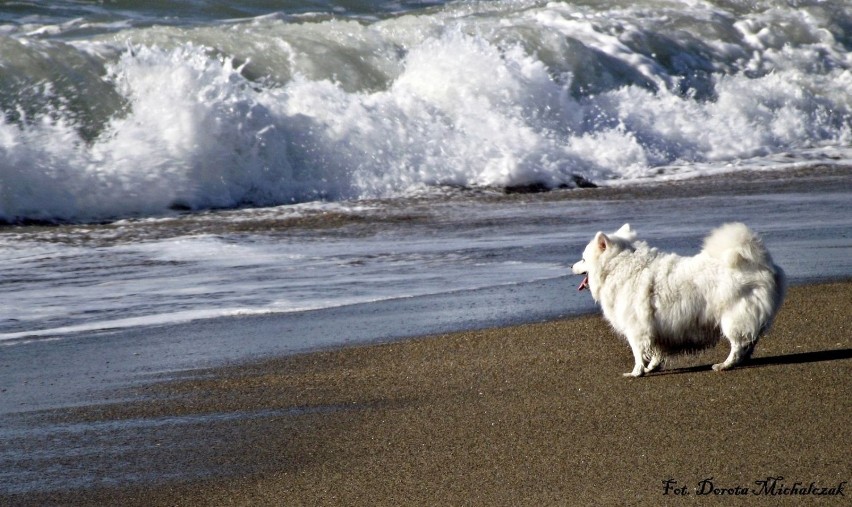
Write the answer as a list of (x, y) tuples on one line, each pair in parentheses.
[(666, 304)]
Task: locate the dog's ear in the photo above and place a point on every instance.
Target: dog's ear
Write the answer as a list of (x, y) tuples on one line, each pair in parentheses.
[(602, 241), (626, 232)]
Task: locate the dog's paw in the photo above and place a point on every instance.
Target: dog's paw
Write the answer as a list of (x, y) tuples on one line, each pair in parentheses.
[(651, 368), (721, 367), (634, 373)]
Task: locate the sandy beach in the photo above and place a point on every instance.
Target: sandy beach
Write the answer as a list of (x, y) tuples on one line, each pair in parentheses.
[(528, 415)]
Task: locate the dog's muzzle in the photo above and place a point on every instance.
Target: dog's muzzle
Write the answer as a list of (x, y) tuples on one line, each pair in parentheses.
[(580, 269)]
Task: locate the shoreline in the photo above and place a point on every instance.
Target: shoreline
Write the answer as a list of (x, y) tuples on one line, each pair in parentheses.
[(798, 212), (532, 413), (808, 177)]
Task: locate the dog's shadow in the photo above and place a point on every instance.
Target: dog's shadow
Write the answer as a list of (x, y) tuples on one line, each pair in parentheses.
[(759, 362)]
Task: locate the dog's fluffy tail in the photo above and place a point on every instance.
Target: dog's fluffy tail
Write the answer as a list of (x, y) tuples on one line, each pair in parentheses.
[(737, 246)]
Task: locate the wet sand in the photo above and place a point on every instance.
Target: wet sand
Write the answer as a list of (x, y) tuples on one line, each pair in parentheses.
[(527, 415)]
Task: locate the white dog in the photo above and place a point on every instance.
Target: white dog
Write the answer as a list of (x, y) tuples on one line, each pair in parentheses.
[(666, 304)]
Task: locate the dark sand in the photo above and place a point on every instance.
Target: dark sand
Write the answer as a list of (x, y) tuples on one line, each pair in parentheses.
[(529, 415)]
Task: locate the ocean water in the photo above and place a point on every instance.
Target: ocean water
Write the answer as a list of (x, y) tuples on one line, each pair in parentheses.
[(171, 162)]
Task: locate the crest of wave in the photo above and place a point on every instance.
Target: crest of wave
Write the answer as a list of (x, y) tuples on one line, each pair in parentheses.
[(461, 112), (463, 109), (193, 133)]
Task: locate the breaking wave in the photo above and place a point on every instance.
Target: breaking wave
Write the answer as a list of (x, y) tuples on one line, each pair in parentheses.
[(112, 119)]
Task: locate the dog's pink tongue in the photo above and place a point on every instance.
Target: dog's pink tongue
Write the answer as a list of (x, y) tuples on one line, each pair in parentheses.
[(584, 284)]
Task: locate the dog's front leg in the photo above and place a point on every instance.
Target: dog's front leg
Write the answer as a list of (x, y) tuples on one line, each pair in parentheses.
[(639, 363)]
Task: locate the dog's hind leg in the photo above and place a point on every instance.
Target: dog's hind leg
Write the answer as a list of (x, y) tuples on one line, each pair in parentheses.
[(749, 349), (741, 350), (742, 331), (736, 356)]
